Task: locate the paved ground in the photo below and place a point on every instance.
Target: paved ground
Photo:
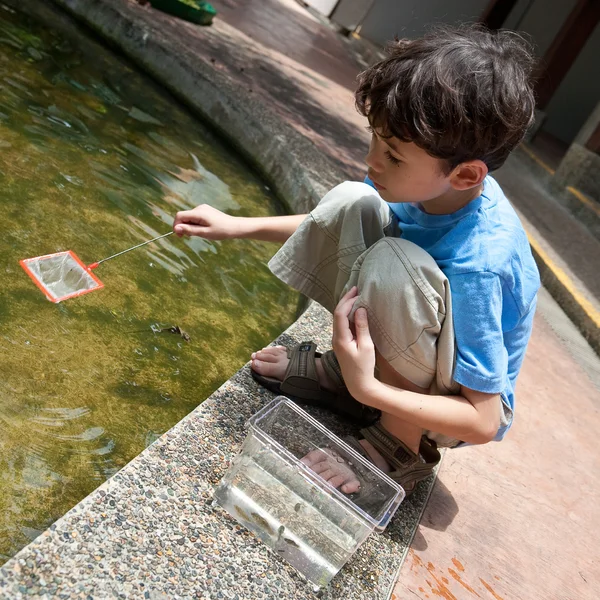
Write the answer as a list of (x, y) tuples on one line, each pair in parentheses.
[(499, 516)]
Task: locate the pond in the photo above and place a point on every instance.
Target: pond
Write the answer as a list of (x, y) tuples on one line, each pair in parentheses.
[(94, 158)]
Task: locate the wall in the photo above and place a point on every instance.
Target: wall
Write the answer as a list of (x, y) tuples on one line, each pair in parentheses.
[(409, 18), (579, 91), (577, 95), (540, 19)]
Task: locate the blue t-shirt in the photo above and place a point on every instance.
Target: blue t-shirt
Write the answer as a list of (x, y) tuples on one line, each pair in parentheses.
[(483, 251)]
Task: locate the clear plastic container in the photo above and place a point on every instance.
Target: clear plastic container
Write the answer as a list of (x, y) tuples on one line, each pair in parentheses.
[(299, 515)]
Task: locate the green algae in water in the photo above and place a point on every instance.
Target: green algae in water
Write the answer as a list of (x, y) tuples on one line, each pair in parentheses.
[(95, 158)]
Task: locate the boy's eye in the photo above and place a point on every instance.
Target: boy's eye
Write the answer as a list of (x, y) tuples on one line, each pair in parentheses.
[(391, 158)]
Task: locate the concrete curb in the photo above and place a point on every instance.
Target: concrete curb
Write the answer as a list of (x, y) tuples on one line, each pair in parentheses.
[(582, 313), (586, 210), (151, 531)]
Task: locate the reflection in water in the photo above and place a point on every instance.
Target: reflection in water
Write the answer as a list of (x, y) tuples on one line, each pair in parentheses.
[(95, 159)]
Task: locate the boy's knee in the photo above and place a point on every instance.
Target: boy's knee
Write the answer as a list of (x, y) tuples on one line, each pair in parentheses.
[(355, 198), (394, 265)]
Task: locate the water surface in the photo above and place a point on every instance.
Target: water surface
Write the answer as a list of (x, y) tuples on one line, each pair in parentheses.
[(94, 158)]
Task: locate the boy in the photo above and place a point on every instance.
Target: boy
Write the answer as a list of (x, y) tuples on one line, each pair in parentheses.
[(429, 275)]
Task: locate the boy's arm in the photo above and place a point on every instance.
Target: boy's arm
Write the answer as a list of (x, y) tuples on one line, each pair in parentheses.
[(472, 417), (212, 224)]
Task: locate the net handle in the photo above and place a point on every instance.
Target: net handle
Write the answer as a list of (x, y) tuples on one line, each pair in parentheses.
[(96, 264)]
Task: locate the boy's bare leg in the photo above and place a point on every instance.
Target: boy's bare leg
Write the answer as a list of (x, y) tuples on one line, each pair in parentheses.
[(406, 432)]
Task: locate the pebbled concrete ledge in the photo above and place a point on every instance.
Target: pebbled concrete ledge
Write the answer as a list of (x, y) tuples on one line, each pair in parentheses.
[(150, 531)]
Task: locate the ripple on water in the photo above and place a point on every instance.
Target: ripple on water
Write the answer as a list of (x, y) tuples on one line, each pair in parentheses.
[(96, 159)]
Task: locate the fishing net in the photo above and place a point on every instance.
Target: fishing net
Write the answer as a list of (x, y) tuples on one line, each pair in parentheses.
[(61, 275)]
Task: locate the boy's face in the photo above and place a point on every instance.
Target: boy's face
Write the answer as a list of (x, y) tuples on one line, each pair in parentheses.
[(403, 172)]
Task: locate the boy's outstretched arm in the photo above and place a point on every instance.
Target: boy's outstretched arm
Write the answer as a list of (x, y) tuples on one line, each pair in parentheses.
[(472, 416), (212, 224)]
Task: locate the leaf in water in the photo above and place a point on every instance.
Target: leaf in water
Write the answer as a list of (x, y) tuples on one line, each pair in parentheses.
[(72, 179), (67, 413), (142, 117), (151, 437), (35, 54), (106, 449), (77, 85)]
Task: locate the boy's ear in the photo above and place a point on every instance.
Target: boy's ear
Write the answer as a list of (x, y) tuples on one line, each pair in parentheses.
[(468, 175)]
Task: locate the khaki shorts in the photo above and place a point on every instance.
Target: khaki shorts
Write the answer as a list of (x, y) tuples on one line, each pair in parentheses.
[(351, 238)]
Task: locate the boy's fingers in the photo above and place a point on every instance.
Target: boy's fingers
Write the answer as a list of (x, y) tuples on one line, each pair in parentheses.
[(351, 293), (341, 324), (179, 229), (183, 216), (197, 216), (346, 302), (185, 229), (341, 328), (361, 326)]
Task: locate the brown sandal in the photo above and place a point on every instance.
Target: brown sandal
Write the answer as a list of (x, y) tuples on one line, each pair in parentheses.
[(301, 384), (408, 468)]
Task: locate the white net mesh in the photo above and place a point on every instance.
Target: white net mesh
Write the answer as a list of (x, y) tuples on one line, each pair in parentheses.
[(60, 275)]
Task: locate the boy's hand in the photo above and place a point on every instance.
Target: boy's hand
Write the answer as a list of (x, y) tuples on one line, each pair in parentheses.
[(353, 345), (206, 222)]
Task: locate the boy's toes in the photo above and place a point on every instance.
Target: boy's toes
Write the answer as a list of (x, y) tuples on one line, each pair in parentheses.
[(270, 354), (265, 356), (268, 369), (274, 351), (270, 362), (351, 487), (332, 468), (345, 481)]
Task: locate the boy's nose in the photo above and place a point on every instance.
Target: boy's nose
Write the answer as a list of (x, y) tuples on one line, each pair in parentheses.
[(374, 162)]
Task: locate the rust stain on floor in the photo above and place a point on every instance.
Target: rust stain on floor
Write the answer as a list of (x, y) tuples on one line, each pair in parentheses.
[(440, 585), (465, 585), (440, 589), (457, 564), (490, 590)]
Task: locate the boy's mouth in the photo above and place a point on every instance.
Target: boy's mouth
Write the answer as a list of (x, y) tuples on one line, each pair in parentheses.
[(378, 187)]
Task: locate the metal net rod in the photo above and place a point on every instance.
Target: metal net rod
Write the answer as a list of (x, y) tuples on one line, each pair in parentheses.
[(132, 248)]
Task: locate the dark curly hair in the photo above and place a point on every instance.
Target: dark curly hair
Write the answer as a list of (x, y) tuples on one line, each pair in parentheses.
[(458, 93)]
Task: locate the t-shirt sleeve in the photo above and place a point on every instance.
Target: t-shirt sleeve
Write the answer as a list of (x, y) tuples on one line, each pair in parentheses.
[(481, 357)]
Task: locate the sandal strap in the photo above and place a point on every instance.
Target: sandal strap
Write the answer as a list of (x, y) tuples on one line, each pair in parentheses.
[(301, 377), (301, 381), (347, 403), (407, 467), (332, 368)]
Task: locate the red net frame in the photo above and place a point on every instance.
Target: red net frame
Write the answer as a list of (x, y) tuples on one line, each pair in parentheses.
[(93, 281)]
